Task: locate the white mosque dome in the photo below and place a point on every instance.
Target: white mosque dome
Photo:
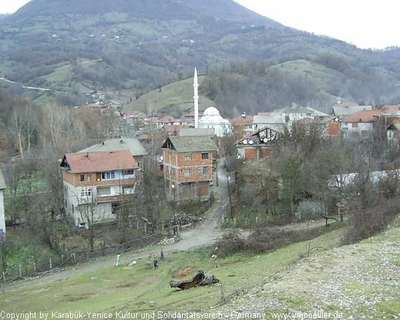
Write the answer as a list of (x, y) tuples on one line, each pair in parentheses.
[(212, 116), (211, 111), (212, 119)]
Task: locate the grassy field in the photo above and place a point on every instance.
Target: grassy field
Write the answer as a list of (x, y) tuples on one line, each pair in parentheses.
[(142, 290), (178, 93)]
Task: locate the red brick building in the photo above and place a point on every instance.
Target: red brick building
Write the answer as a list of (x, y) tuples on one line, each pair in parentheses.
[(188, 167)]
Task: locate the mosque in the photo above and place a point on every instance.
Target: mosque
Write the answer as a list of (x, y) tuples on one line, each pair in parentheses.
[(211, 117)]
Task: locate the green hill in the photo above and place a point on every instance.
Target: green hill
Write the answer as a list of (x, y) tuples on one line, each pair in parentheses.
[(178, 94), (129, 48)]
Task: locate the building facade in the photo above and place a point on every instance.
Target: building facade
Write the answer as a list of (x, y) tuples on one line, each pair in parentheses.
[(257, 145), (188, 167), (95, 183)]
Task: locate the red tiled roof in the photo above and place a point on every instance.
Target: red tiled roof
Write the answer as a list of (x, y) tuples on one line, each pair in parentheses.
[(362, 116), (390, 108), (191, 114), (100, 161), (167, 119), (248, 119)]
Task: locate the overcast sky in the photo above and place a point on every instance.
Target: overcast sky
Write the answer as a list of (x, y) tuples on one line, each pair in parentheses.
[(365, 23)]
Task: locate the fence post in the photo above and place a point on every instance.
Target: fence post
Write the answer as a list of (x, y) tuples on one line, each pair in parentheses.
[(20, 271), (62, 258), (51, 264), (34, 266), (74, 257)]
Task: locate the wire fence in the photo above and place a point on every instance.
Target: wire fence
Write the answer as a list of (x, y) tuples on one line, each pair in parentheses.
[(69, 258)]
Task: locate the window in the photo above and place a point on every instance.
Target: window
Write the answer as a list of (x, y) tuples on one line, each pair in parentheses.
[(204, 155), (188, 156), (127, 172), (89, 178), (82, 177), (86, 192), (186, 173), (108, 175), (128, 189), (103, 191), (203, 171)]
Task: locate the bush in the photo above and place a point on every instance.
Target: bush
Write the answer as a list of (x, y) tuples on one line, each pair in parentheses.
[(263, 240), (369, 222)]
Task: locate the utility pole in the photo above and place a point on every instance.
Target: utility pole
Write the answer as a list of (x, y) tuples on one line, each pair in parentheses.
[(230, 198), (236, 200)]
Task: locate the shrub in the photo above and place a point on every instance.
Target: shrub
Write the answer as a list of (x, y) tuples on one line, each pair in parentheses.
[(263, 240), (370, 221)]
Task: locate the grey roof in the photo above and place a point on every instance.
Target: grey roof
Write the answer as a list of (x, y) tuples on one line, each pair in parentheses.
[(299, 109), (2, 182), (191, 144), (190, 132), (131, 144)]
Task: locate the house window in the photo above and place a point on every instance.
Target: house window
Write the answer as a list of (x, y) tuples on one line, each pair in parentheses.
[(108, 175), (82, 177), (89, 178), (188, 156), (186, 173), (204, 155), (127, 172), (354, 125), (203, 171), (186, 188), (86, 192), (128, 189), (103, 191)]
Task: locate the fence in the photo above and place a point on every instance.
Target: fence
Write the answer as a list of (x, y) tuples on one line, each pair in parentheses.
[(68, 258)]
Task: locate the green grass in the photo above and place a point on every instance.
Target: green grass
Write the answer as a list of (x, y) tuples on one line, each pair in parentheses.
[(132, 289), (175, 94), (27, 185), (60, 74), (318, 74)]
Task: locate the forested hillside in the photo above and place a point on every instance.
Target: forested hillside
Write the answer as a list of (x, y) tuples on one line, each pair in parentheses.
[(127, 49)]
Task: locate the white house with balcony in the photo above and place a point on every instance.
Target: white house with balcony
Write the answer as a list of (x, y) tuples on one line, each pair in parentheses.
[(95, 183)]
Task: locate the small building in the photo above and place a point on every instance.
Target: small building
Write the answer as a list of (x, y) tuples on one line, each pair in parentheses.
[(393, 134), (173, 129), (345, 109), (359, 124), (286, 117), (95, 183), (243, 124), (257, 145), (188, 167), (2, 214)]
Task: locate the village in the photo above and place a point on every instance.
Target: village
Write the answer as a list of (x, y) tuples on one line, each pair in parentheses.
[(97, 179)]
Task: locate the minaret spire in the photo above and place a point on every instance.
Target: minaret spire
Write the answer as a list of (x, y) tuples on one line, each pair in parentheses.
[(196, 99)]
